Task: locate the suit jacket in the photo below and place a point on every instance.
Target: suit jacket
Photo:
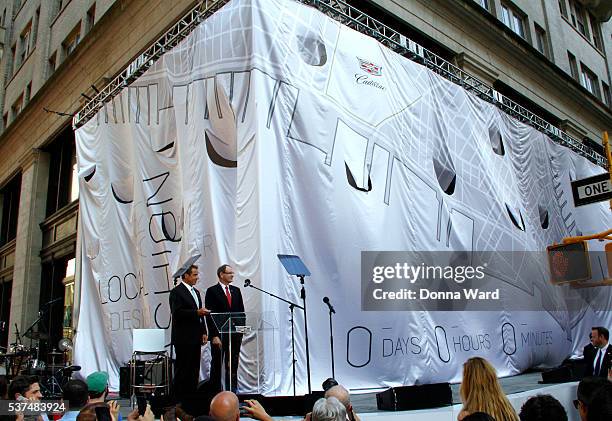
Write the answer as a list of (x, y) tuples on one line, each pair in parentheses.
[(606, 362), (588, 351), (187, 326), (216, 301)]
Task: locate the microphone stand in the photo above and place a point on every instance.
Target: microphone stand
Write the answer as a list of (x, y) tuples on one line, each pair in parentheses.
[(303, 295), (292, 306), (17, 335), (331, 336)]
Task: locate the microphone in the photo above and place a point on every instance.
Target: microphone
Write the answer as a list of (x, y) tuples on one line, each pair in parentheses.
[(326, 301), (55, 300), (71, 368), (247, 283)]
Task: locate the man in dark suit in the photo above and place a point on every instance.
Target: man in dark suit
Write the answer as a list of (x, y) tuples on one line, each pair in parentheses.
[(224, 298), (188, 332), (589, 351), (599, 361)]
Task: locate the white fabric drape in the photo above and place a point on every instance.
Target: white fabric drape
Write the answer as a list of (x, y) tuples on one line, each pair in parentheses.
[(274, 129)]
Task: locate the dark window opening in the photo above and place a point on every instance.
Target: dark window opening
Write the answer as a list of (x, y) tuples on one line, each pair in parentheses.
[(573, 65), (63, 180), (10, 208), (6, 289), (52, 288), (563, 7)]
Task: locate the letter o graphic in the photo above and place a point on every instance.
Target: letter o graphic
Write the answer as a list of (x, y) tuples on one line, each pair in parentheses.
[(157, 322), (508, 339), (360, 334), (442, 343), (110, 298)]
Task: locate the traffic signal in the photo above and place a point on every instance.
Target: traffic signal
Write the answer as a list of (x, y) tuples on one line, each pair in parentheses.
[(569, 262)]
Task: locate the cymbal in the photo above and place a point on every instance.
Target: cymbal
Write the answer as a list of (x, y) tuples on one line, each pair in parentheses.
[(55, 354), (37, 336)]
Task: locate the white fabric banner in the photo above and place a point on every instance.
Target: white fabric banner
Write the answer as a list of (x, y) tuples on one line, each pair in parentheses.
[(272, 129)]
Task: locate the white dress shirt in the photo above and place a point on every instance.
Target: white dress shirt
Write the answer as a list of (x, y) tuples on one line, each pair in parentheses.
[(601, 352), (193, 293)]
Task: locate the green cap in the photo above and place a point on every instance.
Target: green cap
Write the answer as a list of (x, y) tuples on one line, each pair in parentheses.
[(97, 381)]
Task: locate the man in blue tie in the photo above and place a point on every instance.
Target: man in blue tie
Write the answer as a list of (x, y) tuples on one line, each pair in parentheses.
[(600, 361), (188, 332)]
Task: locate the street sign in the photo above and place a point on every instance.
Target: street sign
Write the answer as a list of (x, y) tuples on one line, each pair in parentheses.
[(591, 190)]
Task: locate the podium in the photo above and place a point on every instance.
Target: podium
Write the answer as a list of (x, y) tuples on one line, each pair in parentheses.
[(252, 332)]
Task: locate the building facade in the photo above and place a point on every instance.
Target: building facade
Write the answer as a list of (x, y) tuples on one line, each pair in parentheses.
[(551, 57)]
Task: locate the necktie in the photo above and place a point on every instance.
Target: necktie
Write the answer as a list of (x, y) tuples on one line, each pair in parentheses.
[(194, 295), (598, 363), (228, 295)]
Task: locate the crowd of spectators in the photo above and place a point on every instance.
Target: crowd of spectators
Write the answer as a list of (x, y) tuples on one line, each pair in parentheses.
[(481, 394)]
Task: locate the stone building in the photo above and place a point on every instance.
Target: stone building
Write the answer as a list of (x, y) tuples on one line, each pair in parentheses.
[(551, 57)]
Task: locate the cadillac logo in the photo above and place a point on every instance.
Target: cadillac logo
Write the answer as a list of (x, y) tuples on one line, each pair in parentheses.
[(369, 67)]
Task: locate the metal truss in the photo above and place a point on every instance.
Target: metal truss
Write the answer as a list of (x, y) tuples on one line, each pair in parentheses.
[(144, 61), (342, 12)]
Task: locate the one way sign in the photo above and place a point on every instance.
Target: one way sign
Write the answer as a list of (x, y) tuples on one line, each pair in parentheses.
[(591, 190)]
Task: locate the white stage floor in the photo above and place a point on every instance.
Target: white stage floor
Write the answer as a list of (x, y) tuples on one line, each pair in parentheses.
[(518, 389)]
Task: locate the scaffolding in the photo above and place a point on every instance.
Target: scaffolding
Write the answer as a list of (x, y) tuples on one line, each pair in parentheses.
[(166, 42), (348, 15)]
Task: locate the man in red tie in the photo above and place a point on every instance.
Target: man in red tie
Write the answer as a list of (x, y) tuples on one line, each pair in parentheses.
[(224, 298)]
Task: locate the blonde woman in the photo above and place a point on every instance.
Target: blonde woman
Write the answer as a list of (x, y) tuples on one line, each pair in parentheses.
[(480, 392)]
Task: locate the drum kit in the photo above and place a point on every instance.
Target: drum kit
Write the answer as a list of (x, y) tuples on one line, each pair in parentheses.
[(53, 373)]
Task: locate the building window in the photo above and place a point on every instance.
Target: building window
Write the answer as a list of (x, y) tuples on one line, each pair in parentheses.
[(10, 207), (71, 41), (589, 81), (573, 65), (16, 107), (63, 177), (13, 57), (35, 28), (541, 40), (596, 31), (59, 5), (24, 43), (607, 97), (483, 3), (5, 310), (52, 64), (579, 17), (28, 92), (91, 18), (563, 8), (514, 20), (573, 12)]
